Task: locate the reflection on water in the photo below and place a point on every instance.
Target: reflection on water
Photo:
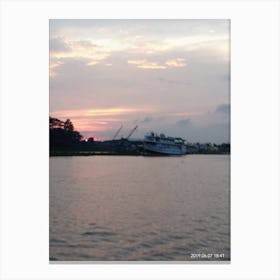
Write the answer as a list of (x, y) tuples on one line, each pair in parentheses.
[(118, 208)]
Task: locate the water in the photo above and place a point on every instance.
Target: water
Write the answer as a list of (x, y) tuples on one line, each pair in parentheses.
[(121, 208)]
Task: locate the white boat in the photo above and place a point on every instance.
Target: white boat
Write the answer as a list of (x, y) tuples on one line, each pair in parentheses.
[(162, 144)]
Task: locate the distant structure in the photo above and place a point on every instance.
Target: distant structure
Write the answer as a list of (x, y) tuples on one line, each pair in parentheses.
[(117, 133), (132, 131)]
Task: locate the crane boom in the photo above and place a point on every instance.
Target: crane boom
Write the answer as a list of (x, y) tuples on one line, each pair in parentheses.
[(117, 133), (132, 131)]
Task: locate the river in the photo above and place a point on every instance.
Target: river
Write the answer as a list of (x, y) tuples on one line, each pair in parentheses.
[(136, 208)]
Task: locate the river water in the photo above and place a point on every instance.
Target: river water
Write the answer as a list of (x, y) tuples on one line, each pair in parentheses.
[(135, 208)]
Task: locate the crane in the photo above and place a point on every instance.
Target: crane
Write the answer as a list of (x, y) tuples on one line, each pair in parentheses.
[(117, 133), (132, 131)]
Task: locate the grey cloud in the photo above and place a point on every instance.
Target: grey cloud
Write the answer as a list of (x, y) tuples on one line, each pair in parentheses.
[(58, 45), (147, 120), (87, 43), (183, 122), (223, 108)]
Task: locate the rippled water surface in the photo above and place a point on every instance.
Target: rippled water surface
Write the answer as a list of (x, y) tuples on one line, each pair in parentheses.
[(118, 208)]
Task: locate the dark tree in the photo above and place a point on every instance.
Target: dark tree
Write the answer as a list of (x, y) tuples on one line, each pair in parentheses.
[(63, 136), (68, 126), (56, 123)]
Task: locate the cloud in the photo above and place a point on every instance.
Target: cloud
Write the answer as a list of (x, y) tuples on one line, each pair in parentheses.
[(142, 45), (146, 36), (223, 108), (147, 120), (95, 41), (183, 122), (58, 45), (177, 62), (145, 64), (85, 44), (63, 50), (110, 112), (170, 63), (52, 68)]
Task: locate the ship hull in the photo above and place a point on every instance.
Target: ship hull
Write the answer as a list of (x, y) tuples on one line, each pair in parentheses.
[(164, 149)]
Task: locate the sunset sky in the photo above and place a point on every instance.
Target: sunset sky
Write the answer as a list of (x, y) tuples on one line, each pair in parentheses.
[(167, 76)]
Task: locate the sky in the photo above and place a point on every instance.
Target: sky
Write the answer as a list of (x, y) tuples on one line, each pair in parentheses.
[(166, 76)]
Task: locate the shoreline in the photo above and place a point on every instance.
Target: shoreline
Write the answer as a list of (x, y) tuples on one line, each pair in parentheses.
[(109, 153)]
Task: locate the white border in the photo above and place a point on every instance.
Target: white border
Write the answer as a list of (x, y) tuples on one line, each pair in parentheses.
[(255, 138)]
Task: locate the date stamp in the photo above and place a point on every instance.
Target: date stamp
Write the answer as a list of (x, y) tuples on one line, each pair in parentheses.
[(207, 256)]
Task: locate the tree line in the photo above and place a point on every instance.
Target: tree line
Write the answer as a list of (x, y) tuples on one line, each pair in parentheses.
[(63, 136)]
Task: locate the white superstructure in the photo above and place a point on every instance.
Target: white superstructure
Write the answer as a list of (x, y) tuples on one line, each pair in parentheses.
[(164, 145)]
